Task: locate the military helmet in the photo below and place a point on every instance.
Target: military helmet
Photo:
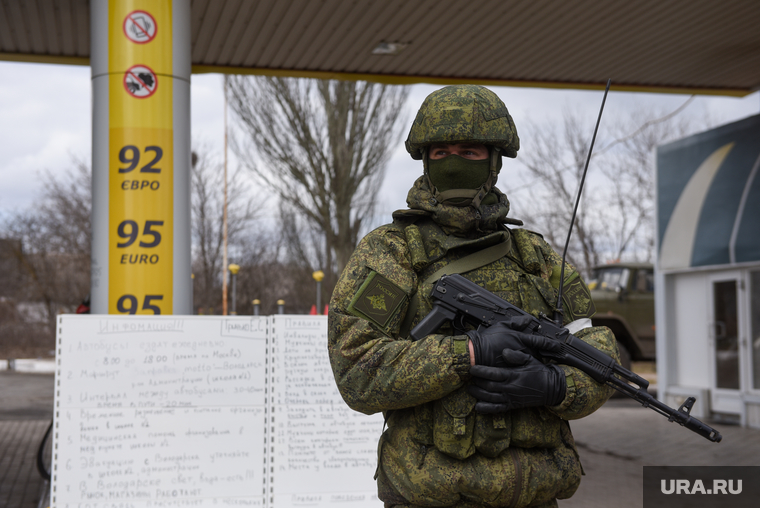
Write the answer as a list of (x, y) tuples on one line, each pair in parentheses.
[(462, 114)]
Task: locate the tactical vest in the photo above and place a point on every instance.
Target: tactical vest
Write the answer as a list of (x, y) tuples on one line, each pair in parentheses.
[(522, 277), (514, 458)]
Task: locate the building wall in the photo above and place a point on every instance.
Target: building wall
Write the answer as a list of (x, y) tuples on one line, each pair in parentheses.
[(708, 224)]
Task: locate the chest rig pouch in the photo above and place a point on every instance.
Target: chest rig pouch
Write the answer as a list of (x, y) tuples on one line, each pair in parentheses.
[(450, 423)]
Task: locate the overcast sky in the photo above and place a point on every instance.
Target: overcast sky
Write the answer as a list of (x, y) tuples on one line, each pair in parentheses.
[(46, 120)]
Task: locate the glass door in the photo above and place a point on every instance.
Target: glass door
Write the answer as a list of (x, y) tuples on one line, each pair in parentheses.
[(726, 340), (754, 335), (726, 333)]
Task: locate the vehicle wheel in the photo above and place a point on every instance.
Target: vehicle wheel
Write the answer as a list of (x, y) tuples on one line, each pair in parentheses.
[(625, 362), (625, 356)]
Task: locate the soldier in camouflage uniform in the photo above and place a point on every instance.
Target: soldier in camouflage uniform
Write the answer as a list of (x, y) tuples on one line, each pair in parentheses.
[(472, 420)]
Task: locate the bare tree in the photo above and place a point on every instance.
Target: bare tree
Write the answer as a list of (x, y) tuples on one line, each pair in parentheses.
[(207, 215), (554, 158), (321, 147), (631, 174), (616, 216), (52, 253), (263, 276)]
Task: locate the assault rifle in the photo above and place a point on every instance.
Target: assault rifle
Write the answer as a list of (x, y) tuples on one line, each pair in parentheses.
[(462, 302)]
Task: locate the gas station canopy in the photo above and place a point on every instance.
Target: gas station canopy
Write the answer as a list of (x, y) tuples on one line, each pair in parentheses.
[(682, 46)]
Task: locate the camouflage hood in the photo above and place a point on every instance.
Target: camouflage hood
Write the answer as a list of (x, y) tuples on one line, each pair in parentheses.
[(464, 221)]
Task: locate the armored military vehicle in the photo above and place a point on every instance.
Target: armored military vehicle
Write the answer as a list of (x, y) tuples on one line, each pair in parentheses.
[(624, 297)]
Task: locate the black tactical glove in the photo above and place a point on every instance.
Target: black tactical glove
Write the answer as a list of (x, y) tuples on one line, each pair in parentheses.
[(488, 343), (524, 382)]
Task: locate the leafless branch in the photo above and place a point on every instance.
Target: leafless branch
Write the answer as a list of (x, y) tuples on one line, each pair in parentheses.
[(321, 147)]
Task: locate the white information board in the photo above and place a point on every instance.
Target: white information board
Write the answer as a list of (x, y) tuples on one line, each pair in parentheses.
[(325, 453), (204, 411)]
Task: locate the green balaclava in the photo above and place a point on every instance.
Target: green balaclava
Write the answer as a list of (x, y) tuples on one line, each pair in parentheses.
[(463, 114), (459, 181)]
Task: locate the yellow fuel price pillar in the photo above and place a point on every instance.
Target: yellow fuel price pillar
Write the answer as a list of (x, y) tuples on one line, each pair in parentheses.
[(141, 157)]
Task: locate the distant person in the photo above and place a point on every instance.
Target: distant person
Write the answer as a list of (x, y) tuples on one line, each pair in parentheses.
[(84, 307), (472, 420)]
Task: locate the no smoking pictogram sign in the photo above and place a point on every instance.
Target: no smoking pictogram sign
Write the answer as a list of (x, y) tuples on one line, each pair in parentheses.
[(140, 81), (140, 27)]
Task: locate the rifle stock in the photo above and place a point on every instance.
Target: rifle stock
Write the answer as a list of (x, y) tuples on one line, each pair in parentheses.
[(463, 302)]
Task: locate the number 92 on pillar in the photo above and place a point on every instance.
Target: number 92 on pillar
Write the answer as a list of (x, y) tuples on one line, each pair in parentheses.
[(140, 221)]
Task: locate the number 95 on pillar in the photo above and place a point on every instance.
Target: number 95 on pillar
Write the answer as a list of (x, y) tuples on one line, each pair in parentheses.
[(140, 222)]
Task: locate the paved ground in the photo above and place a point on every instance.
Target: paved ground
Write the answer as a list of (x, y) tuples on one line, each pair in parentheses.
[(26, 396), (26, 409), (622, 437), (615, 443)]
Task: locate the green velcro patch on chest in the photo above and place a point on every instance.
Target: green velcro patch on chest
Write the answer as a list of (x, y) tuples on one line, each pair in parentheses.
[(377, 300), (577, 300)]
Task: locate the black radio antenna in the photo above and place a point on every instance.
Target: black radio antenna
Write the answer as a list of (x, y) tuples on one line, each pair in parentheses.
[(558, 313)]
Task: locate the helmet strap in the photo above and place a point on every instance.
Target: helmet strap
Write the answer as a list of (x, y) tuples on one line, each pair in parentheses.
[(426, 169)]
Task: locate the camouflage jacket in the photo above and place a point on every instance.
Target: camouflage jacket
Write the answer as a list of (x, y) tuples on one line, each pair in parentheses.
[(437, 451)]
